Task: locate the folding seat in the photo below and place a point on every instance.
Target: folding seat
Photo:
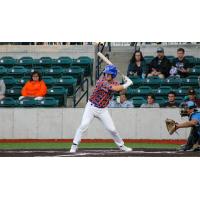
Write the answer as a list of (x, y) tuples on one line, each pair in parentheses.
[(172, 81), (48, 102), (163, 90), (137, 81), (194, 71), (171, 58), (182, 91), (49, 80), (25, 61), (191, 81), (7, 102), (138, 101), (179, 100), (191, 59), (17, 71), (65, 62), (67, 82), (148, 59), (23, 80), (54, 71), (76, 72), (8, 61), (43, 61), (14, 92), (39, 69), (9, 81), (197, 61), (160, 101), (153, 81), (3, 71), (27, 102), (143, 90)]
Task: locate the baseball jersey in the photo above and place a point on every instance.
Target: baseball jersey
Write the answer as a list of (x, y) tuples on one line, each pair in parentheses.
[(196, 116), (103, 93)]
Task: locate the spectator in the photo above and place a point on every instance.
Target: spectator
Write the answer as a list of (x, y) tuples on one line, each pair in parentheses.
[(180, 65), (137, 65), (121, 102), (2, 89), (160, 65), (150, 102), (171, 103), (192, 97), (35, 88)]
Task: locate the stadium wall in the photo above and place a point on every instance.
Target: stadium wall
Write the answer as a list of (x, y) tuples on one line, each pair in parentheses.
[(61, 123)]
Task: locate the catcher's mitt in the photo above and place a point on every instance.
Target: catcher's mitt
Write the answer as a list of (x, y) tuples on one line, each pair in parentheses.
[(171, 126)]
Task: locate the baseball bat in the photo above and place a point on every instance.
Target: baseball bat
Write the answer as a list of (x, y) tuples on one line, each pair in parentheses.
[(107, 61)]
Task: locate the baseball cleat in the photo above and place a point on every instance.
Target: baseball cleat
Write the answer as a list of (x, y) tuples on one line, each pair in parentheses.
[(125, 149), (74, 148)]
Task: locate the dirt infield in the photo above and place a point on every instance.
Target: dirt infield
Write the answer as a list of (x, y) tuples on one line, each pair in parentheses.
[(97, 153)]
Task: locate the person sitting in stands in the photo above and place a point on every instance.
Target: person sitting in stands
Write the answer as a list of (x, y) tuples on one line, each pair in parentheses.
[(2, 89), (171, 103), (150, 102), (34, 88)]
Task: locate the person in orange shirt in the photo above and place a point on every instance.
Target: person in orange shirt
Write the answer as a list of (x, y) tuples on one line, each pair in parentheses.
[(35, 88)]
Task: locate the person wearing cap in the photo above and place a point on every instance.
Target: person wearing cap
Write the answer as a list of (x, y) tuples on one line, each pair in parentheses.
[(189, 109), (180, 65), (160, 66), (193, 97)]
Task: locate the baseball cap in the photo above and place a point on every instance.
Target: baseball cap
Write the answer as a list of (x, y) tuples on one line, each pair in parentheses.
[(191, 92), (160, 49), (191, 104)]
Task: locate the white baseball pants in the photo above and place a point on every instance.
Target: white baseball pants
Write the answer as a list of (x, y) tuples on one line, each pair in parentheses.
[(103, 115)]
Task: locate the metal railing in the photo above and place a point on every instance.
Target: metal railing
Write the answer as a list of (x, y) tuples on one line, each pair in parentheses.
[(85, 93)]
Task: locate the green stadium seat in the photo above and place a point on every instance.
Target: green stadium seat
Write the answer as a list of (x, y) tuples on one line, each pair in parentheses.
[(190, 81), (160, 101), (39, 69), (171, 58), (25, 61), (44, 61), (9, 81), (8, 61), (191, 59), (129, 92), (49, 80), (163, 91), (7, 102), (148, 59), (3, 71), (172, 81), (14, 92), (137, 81), (143, 90), (67, 82), (48, 102), (23, 80), (54, 71), (60, 93), (182, 91), (64, 62), (179, 100), (77, 72), (153, 81), (27, 102), (138, 101), (17, 71), (197, 61), (87, 64), (194, 71)]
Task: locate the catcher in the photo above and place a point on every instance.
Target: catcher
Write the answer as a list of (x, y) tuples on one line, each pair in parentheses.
[(188, 109)]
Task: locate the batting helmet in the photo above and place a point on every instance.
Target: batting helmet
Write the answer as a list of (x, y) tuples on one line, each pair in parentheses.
[(191, 104), (111, 69)]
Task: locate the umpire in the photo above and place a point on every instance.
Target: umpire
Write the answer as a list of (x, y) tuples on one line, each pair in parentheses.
[(190, 110)]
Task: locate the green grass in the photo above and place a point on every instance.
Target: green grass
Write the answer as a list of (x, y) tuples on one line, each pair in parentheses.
[(61, 145)]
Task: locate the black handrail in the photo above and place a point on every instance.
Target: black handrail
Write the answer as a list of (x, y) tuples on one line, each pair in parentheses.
[(85, 93)]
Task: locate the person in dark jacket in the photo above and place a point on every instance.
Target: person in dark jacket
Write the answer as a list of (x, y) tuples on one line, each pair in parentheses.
[(137, 65), (160, 65), (180, 65)]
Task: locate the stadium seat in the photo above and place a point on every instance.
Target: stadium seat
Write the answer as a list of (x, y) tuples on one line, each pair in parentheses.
[(160, 101), (138, 101), (179, 100), (153, 81), (182, 91), (191, 59), (163, 90), (44, 61), (190, 81), (172, 81), (8, 61), (49, 80), (48, 102), (3, 71), (60, 93), (76, 72), (39, 69), (194, 71), (197, 61), (25, 61), (54, 71), (17, 71), (129, 92), (143, 90), (14, 92), (7, 102), (148, 59), (171, 58), (9, 81), (27, 102), (23, 80), (64, 62), (67, 82), (137, 81)]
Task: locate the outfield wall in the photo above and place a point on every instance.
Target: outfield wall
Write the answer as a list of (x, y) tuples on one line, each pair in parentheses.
[(61, 123)]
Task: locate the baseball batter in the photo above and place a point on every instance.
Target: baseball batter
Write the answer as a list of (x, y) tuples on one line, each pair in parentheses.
[(97, 107)]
